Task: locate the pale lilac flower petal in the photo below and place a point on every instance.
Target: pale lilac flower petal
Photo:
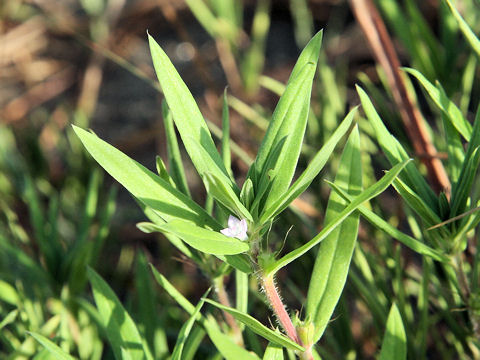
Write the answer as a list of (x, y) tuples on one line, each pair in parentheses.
[(236, 228)]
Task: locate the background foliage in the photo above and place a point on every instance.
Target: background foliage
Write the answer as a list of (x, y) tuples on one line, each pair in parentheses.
[(87, 63)]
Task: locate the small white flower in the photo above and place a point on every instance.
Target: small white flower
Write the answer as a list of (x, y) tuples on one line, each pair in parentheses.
[(236, 228)]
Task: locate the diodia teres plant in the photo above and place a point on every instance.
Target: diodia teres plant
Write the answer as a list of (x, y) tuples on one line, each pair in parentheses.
[(229, 233)]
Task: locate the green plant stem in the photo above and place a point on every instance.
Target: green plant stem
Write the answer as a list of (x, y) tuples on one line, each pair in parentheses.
[(223, 299), (275, 301)]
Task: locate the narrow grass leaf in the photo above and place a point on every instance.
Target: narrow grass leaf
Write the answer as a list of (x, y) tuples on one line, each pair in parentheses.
[(147, 187), (378, 222), (465, 28), (416, 203), (394, 345), (224, 344), (54, 350), (225, 146), (189, 121), (241, 293), (312, 170), (366, 195), (396, 153), (9, 318), (185, 330), (461, 188), (119, 326), (208, 241), (334, 256), (173, 152), (456, 154), (447, 106), (273, 352), (258, 328)]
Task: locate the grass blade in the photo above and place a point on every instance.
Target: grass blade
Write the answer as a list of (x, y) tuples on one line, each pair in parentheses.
[(333, 258), (366, 195), (394, 345), (55, 351), (258, 328), (173, 152), (121, 330)]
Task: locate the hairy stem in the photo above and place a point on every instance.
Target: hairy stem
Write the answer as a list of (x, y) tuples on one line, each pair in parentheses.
[(278, 308)]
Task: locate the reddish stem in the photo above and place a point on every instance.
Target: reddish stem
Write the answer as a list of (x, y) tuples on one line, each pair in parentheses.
[(279, 309)]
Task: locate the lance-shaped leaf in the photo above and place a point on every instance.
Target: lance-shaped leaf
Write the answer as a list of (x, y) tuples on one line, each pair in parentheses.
[(173, 151), (147, 187), (465, 28), (366, 195), (226, 196), (381, 224), (451, 110), (396, 153), (394, 345), (186, 114), (207, 241), (121, 330), (258, 328), (416, 203), (461, 189), (224, 344), (335, 253), (55, 351), (185, 330), (289, 120), (273, 352), (312, 170)]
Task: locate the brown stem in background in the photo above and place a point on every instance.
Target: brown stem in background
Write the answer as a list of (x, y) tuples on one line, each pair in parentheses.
[(223, 299), (374, 29), (229, 66)]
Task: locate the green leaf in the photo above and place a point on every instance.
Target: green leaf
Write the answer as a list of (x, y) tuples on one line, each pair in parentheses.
[(416, 203), (451, 110), (55, 351), (465, 28), (247, 194), (173, 152), (396, 153), (381, 224), (241, 293), (188, 119), (312, 170), (394, 345), (226, 196), (225, 147), (185, 330), (9, 318), (258, 328), (366, 195), (205, 240), (119, 326), (333, 258), (222, 342), (273, 352), (461, 189), (289, 120), (147, 187)]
